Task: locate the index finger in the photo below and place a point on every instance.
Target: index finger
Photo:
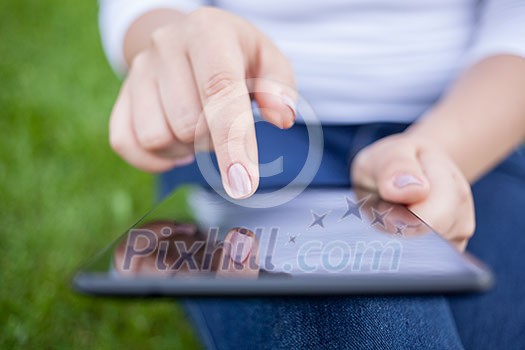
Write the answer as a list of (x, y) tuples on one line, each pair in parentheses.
[(220, 78)]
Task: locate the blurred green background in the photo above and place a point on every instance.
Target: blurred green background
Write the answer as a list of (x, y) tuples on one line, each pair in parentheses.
[(63, 193)]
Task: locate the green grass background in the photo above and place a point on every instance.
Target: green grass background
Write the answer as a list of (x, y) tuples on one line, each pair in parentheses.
[(63, 193)]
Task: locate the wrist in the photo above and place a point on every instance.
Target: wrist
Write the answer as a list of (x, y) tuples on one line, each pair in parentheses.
[(438, 131), (447, 136), (423, 139)]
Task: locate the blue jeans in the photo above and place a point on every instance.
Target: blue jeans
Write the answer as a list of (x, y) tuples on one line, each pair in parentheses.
[(494, 320)]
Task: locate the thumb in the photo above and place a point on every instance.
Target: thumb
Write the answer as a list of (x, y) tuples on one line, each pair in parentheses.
[(397, 176), (274, 86)]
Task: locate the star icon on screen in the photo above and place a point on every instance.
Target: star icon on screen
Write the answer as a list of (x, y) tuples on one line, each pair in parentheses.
[(353, 208), (379, 217), (318, 219), (399, 230), (292, 238)]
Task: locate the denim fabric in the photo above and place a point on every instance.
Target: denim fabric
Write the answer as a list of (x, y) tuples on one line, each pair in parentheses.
[(325, 323), (495, 320)]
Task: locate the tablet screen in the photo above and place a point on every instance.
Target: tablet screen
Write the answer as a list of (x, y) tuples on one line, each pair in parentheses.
[(328, 240)]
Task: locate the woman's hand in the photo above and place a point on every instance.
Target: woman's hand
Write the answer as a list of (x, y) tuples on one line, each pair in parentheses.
[(190, 91), (407, 170)]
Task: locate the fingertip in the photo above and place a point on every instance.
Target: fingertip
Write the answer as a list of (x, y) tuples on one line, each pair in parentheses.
[(275, 118), (292, 108), (279, 110)]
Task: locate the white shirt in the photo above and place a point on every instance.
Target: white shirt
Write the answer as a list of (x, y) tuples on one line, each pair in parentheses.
[(360, 61)]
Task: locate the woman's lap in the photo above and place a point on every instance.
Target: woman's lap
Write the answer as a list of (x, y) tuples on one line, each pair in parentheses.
[(325, 323)]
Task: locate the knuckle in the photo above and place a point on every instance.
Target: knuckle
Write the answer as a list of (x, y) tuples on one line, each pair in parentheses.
[(183, 123), (140, 62), (219, 85), (470, 227), (117, 139), (118, 143), (465, 193), (154, 140), (203, 15), (360, 159), (408, 143), (184, 113), (363, 158), (360, 168), (463, 190), (185, 132), (470, 222), (165, 42), (159, 38)]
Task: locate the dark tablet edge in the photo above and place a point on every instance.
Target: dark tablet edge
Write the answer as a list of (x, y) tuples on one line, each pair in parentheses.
[(91, 284)]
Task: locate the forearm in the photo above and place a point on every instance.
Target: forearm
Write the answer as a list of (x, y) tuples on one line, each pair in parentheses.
[(138, 36), (482, 118)]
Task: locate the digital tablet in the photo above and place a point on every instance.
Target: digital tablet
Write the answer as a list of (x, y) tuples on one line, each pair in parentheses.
[(320, 241)]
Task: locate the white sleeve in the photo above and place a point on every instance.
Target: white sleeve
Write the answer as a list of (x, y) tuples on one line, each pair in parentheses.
[(115, 17), (501, 30)]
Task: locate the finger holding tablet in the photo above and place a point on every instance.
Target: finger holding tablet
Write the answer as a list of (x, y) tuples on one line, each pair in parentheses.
[(414, 172)]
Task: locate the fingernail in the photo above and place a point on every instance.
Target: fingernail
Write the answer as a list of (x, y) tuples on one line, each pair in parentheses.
[(241, 245), (239, 180), (290, 104), (184, 161), (405, 180)]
